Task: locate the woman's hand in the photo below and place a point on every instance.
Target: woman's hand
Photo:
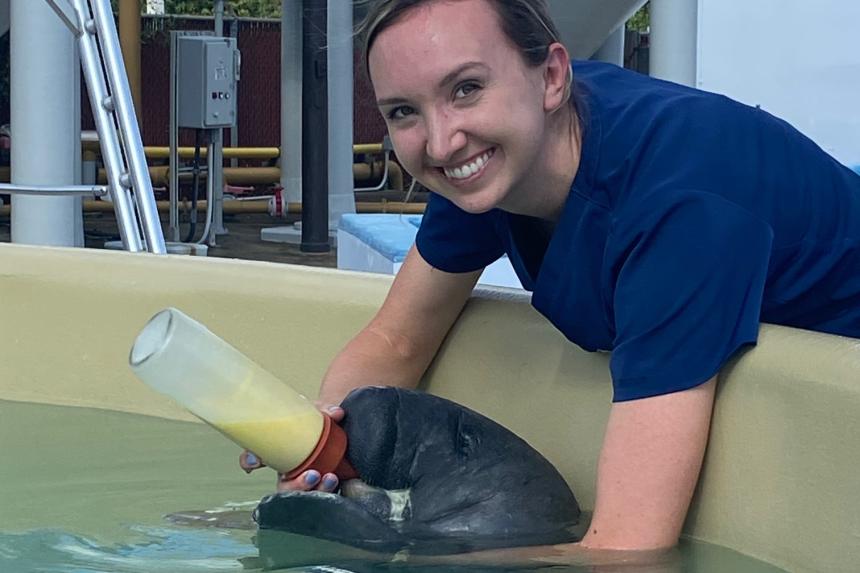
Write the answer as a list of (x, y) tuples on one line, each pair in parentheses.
[(306, 481)]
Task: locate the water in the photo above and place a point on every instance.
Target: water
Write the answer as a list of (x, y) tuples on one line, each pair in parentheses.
[(88, 491)]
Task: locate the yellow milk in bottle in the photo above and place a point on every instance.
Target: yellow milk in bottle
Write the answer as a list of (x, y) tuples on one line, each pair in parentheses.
[(179, 357)]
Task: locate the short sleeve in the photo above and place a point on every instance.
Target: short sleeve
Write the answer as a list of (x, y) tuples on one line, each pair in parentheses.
[(455, 241), (688, 293)]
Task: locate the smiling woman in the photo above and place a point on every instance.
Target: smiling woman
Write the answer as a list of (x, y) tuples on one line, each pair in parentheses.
[(510, 67), (657, 222)]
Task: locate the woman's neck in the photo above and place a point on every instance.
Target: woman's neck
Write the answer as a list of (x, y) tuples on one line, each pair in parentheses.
[(555, 173)]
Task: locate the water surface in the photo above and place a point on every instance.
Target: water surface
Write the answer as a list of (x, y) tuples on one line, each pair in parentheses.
[(88, 491)]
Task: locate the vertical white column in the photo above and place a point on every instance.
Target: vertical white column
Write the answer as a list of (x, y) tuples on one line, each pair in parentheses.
[(291, 100), (341, 188), (674, 34), (42, 106)]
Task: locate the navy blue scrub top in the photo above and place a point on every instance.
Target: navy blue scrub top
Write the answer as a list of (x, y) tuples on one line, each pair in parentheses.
[(691, 219)]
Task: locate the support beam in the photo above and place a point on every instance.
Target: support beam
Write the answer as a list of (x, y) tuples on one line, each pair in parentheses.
[(340, 95), (44, 73), (674, 34), (291, 99)]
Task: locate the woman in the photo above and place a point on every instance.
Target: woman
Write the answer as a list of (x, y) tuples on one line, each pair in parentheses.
[(652, 220)]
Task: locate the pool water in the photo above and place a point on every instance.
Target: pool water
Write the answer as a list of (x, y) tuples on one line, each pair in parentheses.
[(93, 491)]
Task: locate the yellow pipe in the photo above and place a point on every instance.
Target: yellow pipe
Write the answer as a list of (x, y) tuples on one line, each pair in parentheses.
[(256, 175), (160, 152), (258, 207), (129, 40), (153, 152), (367, 148)]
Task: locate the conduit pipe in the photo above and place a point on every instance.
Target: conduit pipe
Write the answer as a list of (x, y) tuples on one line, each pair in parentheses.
[(254, 207)]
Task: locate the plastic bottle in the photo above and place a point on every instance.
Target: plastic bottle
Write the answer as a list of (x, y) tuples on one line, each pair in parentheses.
[(179, 357)]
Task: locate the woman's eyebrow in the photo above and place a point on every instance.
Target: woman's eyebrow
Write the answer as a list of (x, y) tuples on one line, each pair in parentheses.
[(448, 79), (452, 75)]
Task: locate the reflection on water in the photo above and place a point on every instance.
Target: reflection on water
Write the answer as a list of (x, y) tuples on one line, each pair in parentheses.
[(161, 549), (190, 550), (88, 491)]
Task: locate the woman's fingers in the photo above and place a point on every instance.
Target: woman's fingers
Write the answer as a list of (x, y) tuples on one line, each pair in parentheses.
[(250, 462), (334, 412), (309, 480)]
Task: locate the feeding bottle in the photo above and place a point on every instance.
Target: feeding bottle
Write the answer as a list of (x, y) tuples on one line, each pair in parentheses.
[(179, 357)]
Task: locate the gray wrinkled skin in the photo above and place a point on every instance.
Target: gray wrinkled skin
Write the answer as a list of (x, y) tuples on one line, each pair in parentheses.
[(435, 478)]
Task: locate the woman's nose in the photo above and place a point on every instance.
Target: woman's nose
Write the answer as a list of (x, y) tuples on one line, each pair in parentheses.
[(444, 138)]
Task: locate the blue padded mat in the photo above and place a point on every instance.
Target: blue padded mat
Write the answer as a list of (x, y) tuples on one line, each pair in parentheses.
[(391, 235)]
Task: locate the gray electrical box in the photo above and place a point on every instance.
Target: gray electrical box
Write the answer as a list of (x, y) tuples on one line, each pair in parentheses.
[(207, 74)]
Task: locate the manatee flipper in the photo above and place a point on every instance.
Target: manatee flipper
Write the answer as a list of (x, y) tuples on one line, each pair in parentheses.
[(440, 478), (327, 516)]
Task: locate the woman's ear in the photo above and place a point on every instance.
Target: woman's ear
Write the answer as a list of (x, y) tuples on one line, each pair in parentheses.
[(557, 76)]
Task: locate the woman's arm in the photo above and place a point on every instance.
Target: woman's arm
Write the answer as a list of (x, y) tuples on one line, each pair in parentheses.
[(396, 347), (648, 469)]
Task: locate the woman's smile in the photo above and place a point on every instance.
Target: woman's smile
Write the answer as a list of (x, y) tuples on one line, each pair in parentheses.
[(468, 171)]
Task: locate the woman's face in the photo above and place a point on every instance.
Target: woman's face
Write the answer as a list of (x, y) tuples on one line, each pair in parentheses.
[(466, 115)]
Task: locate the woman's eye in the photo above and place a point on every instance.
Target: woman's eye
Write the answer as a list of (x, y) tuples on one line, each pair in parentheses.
[(400, 112), (466, 89)]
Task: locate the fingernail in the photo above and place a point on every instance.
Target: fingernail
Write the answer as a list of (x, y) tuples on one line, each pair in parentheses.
[(329, 482), (332, 409), (251, 460), (312, 477)]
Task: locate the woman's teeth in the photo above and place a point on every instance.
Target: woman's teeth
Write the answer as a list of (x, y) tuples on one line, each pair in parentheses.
[(469, 169)]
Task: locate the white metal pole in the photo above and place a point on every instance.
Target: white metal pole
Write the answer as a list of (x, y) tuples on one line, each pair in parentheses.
[(216, 175), (340, 95), (42, 108), (76, 129), (291, 100), (674, 34)]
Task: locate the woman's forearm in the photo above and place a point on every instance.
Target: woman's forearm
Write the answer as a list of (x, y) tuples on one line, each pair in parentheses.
[(401, 340), (373, 358)]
